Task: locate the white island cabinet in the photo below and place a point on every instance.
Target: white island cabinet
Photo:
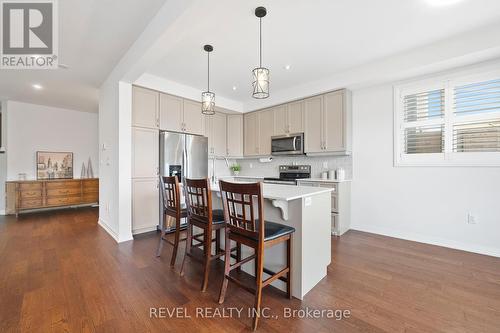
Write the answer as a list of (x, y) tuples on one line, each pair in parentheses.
[(307, 209)]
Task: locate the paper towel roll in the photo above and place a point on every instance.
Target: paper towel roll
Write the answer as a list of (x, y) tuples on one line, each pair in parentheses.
[(266, 159)]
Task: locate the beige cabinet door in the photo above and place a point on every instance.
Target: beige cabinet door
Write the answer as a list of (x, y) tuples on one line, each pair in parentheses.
[(194, 120), (251, 126), (281, 125), (219, 132), (295, 116), (145, 107), (313, 110), (209, 134), (334, 121), (171, 113), (145, 205), (234, 135), (144, 152), (266, 130)]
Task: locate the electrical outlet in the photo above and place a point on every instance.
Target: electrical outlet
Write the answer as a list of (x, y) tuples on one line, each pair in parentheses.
[(325, 165), (471, 219), (251, 165)]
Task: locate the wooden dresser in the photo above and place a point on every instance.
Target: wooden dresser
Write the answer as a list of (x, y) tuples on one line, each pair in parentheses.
[(37, 194)]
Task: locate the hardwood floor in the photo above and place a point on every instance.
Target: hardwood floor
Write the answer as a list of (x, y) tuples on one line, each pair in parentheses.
[(60, 272)]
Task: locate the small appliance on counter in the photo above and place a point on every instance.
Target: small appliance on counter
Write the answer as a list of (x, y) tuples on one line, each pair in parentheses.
[(289, 174), (340, 174)]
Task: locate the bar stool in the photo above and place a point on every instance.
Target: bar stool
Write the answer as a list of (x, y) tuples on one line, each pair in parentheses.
[(200, 214), (244, 214), (171, 199)]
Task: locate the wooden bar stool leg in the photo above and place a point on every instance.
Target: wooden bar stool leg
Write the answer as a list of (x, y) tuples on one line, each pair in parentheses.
[(258, 290), (162, 236), (289, 265), (176, 244), (238, 255), (189, 236), (208, 253), (217, 240), (227, 263)]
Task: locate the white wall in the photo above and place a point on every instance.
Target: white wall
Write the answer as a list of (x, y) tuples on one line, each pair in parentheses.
[(115, 159), (426, 204), (31, 128), (3, 158)]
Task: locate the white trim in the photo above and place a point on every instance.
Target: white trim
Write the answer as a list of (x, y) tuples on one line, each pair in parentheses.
[(108, 229), (142, 230), (438, 241), (448, 158), (2, 212)]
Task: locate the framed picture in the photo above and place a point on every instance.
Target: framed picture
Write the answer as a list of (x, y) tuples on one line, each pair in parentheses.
[(54, 165)]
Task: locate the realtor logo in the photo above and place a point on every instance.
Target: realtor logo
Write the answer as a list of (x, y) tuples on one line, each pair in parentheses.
[(29, 34)]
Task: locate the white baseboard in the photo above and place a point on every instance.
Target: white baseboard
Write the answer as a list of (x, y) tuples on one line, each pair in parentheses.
[(103, 224), (106, 228), (144, 230), (2, 211), (489, 251)]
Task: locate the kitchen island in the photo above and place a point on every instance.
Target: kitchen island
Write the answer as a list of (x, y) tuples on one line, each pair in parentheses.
[(307, 209)]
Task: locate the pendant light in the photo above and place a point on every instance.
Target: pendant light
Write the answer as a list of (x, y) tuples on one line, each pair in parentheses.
[(260, 74), (207, 97)]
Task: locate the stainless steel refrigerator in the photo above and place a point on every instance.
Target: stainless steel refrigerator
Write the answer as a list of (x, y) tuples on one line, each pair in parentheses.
[(182, 155)]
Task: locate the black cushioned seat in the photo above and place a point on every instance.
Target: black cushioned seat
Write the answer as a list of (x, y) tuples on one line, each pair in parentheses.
[(274, 230)]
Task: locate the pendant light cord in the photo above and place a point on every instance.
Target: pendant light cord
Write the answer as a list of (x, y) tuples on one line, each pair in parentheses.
[(208, 71), (260, 40)]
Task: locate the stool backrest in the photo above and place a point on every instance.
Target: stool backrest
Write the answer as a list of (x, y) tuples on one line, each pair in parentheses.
[(198, 199), (243, 208), (170, 190)]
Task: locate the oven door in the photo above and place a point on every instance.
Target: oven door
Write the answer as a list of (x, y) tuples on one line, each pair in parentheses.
[(287, 145)]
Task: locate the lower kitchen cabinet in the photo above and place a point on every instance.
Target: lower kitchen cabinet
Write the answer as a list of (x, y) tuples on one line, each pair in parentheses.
[(145, 205), (341, 203)]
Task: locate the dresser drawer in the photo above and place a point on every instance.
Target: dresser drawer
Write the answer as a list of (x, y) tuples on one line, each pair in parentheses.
[(31, 194), (90, 184), (63, 184), (30, 186), (57, 192), (30, 203), (90, 198), (61, 201)]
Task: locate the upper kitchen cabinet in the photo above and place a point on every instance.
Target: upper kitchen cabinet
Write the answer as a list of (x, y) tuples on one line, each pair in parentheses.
[(234, 135), (266, 131), (180, 115), (295, 117), (251, 134), (289, 118), (280, 120), (216, 131), (194, 120), (328, 123), (145, 107), (313, 109), (171, 110)]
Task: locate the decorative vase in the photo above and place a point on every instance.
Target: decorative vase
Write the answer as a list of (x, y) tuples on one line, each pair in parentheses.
[(83, 174), (90, 170)]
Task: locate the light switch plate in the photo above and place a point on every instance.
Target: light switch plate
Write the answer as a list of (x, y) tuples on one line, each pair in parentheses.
[(308, 201)]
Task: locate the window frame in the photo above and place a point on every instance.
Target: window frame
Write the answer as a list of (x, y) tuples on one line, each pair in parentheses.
[(448, 157)]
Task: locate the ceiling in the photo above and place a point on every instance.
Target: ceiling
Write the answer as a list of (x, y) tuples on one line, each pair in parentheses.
[(319, 39), (93, 36), (316, 38)]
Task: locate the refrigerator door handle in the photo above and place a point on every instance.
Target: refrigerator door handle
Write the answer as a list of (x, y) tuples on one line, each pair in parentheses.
[(186, 162)]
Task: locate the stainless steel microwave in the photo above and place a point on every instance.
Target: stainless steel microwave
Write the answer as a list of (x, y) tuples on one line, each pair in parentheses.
[(288, 144)]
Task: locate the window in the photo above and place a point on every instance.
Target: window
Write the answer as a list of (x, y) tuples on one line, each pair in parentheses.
[(448, 121)]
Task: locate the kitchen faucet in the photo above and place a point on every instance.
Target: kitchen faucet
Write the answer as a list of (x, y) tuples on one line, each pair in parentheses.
[(214, 158)]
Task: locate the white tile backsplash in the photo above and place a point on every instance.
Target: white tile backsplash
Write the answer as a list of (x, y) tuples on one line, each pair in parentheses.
[(253, 167)]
